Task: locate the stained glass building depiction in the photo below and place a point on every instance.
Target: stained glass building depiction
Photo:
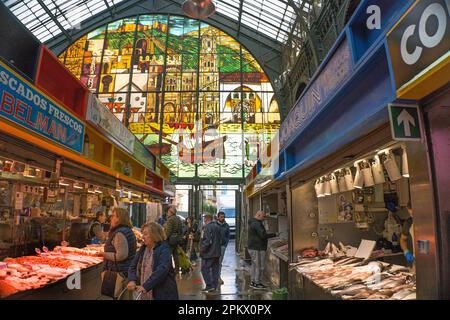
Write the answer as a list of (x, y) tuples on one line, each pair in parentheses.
[(190, 92)]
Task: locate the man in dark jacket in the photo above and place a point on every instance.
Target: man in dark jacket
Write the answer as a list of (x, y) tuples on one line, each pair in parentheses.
[(174, 232), (210, 249), (225, 231), (257, 247)]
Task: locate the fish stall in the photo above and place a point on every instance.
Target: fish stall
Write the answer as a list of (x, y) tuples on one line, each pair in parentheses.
[(341, 277), (63, 273)]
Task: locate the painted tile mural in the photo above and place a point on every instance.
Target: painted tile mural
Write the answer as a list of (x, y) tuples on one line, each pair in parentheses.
[(192, 94)]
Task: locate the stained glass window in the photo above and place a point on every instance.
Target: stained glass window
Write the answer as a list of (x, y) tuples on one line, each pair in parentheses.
[(194, 95)]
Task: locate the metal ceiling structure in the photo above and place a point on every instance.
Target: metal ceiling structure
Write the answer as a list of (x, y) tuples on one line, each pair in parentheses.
[(288, 38), (263, 26), (50, 18)]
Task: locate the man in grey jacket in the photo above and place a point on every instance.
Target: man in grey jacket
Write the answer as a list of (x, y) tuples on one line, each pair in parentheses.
[(210, 249), (257, 247)]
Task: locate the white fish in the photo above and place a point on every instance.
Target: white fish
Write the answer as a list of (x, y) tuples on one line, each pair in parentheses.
[(351, 291), (412, 296), (402, 294), (378, 296)]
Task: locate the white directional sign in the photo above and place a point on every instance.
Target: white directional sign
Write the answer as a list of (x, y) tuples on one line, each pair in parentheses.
[(405, 122)]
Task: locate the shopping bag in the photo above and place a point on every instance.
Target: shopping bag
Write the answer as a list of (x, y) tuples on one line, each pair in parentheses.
[(183, 260), (112, 283)]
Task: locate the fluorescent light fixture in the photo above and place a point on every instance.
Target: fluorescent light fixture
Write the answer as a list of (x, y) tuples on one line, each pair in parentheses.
[(64, 183)]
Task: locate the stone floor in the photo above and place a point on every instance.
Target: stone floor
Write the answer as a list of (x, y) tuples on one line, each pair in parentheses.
[(236, 277)]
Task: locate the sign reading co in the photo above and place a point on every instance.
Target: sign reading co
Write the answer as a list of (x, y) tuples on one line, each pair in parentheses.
[(420, 38), (405, 122)]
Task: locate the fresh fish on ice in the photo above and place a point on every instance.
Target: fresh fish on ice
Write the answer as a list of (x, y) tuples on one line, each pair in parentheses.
[(402, 294), (351, 291), (412, 296), (378, 296)]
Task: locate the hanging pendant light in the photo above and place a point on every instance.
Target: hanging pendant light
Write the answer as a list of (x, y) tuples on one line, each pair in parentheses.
[(199, 9), (334, 184), (367, 173), (348, 179), (391, 167), (359, 177), (405, 168), (320, 188), (327, 186), (340, 175)]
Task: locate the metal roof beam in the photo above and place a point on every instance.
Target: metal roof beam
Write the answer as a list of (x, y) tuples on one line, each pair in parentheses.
[(241, 5), (50, 14), (109, 8)]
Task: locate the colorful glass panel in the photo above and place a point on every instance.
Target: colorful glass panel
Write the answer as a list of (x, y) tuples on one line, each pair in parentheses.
[(195, 96)]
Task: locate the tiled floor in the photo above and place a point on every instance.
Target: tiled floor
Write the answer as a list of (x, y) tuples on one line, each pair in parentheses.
[(236, 277)]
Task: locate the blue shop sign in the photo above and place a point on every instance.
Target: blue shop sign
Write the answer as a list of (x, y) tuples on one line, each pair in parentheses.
[(22, 104), (336, 71)]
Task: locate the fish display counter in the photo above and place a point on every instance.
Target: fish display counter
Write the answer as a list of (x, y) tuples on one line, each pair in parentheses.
[(45, 276), (277, 262), (348, 278)]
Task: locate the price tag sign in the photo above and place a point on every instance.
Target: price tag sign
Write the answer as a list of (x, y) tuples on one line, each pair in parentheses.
[(19, 201)]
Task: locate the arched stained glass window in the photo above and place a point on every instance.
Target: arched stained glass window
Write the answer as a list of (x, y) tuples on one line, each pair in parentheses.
[(192, 94)]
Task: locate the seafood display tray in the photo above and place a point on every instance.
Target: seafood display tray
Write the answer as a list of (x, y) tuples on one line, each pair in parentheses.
[(58, 290), (353, 279)]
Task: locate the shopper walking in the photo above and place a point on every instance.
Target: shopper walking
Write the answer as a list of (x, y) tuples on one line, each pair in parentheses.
[(174, 232), (151, 272), (225, 232), (210, 253), (120, 248), (257, 247), (191, 235)]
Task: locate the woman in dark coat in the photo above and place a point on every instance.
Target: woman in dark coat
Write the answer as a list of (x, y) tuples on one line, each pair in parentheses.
[(191, 238), (151, 271)]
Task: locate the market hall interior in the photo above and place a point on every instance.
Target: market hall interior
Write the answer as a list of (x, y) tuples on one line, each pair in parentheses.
[(299, 146)]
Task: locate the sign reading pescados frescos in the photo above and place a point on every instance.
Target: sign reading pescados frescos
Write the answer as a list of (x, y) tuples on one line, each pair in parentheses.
[(332, 76), (22, 104)]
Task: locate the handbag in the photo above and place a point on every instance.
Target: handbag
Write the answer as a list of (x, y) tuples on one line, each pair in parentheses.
[(112, 282)]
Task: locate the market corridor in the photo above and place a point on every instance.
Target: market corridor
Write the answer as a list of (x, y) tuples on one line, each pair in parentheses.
[(236, 277)]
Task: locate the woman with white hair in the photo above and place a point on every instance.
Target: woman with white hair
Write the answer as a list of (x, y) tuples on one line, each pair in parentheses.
[(151, 271)]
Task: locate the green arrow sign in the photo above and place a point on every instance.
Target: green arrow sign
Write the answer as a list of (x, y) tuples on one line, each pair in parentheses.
[(405, 122)]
